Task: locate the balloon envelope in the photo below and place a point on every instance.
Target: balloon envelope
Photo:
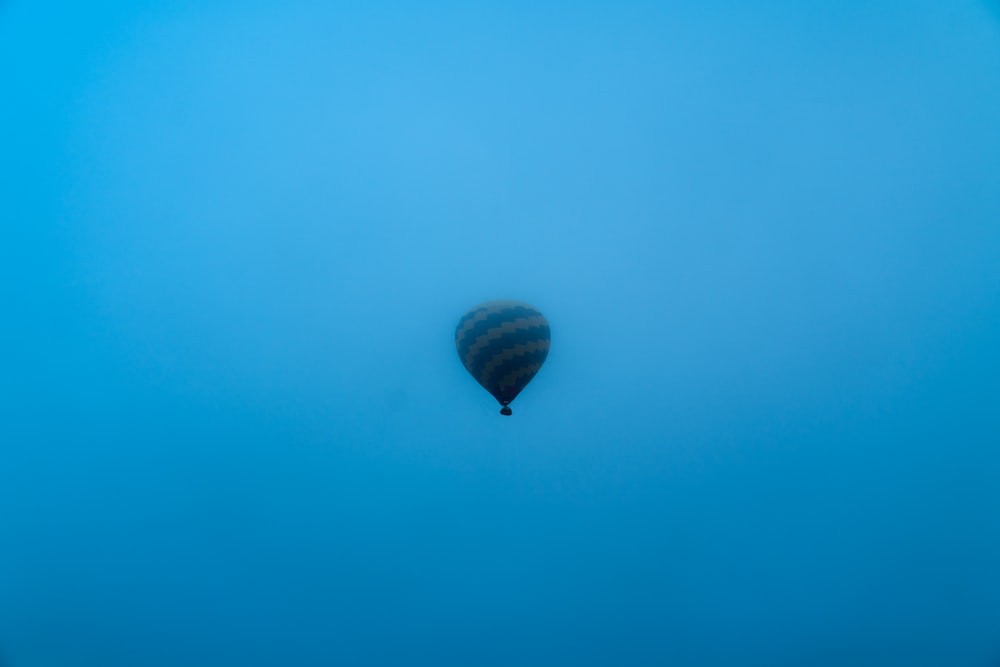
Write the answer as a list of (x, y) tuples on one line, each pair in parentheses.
[(502, 344)]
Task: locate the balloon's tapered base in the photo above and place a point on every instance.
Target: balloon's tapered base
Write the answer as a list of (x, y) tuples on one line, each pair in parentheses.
[(505, 411)]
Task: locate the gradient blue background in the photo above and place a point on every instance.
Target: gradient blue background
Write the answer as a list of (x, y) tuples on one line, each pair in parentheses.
[(236, 238)]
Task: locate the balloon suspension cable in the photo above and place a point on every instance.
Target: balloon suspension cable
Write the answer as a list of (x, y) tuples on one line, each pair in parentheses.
[(506, 411)]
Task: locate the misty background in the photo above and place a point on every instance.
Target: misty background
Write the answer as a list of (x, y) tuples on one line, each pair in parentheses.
[(235, 239)]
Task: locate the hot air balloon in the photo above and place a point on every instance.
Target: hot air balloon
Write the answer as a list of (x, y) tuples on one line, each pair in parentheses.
[(502, 344)]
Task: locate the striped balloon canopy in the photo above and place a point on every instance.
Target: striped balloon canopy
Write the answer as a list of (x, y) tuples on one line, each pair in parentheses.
[(502, 344)]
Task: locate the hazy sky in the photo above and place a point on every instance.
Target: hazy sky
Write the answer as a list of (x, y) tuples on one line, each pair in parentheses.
[(236, 237)]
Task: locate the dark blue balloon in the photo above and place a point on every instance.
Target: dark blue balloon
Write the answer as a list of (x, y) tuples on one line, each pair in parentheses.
[(503, 344)]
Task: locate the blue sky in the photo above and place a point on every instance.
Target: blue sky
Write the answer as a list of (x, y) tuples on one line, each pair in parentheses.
[(235, 239)]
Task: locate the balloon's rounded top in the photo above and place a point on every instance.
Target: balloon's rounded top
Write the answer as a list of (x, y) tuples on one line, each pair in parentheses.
[(502, 344)]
